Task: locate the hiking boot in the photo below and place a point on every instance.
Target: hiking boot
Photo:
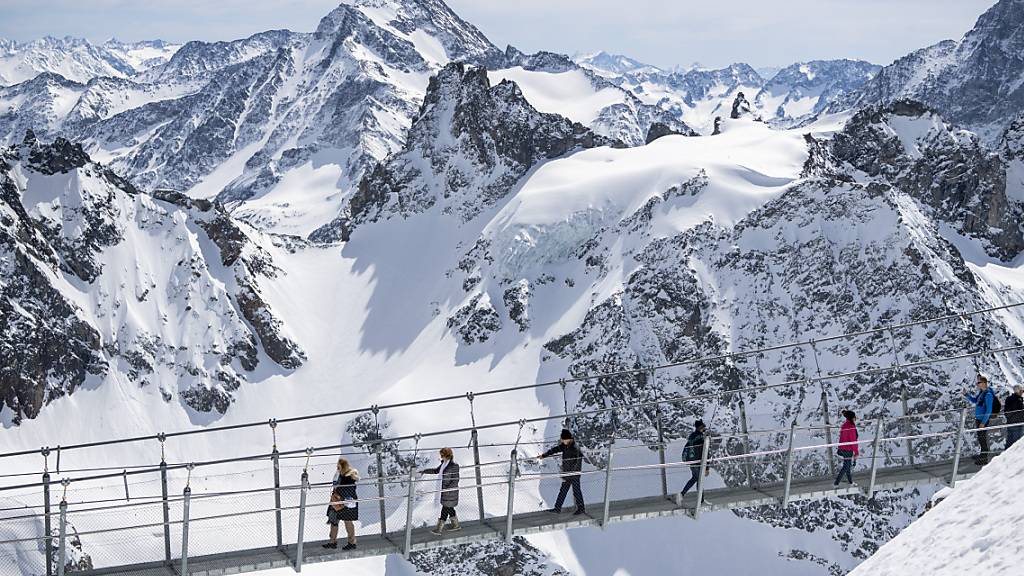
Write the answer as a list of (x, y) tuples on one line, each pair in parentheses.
[(453, 524), (579, 511), (555, 510), (439, 530), (349, 547), (330, 545)]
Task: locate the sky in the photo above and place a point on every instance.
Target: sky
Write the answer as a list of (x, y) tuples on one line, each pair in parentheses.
[(660, 32)]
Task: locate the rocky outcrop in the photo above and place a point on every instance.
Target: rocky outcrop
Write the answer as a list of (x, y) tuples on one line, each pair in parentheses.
[(191, 327), (908, 146), (469, 144)]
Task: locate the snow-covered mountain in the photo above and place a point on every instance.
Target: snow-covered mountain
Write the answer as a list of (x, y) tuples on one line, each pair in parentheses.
[(975, 82), (790, 96), (79, 60), (483, 219), (801, 91), (613, 65), (102, 282), (284, 125)]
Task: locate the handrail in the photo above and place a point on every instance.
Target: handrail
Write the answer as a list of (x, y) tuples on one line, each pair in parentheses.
[(632, 371), (521, 422)]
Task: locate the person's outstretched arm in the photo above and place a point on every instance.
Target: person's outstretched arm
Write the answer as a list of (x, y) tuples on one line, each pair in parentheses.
[(554, 450)]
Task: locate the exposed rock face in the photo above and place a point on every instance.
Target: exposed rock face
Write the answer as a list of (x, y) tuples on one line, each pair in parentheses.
[(170, 319), (658, 130), (469, 144), (974, 82), (740, 107), (964, 182), (516, 558)]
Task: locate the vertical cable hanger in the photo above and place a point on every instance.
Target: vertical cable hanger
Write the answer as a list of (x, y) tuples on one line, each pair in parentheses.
[(273, 432)]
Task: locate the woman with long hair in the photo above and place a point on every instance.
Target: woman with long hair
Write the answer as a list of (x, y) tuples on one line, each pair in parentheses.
[(344, 506), (448, 491)]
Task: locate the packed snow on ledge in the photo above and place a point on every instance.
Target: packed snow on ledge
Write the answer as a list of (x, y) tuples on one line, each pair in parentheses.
[(975, 530)]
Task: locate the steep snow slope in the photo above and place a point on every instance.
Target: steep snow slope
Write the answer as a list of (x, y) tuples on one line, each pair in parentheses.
[(975, 530), (571, 94)]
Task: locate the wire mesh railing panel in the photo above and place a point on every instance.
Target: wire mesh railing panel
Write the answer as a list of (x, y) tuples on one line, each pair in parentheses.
[(234, 522), (115, 537), (24, 550)]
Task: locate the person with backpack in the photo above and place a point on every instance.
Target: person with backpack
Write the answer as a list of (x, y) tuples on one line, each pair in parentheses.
[(985, 405), (1014, 410), (344, 505), (572, 464), (448, 491), (849, 448), (693, 453)]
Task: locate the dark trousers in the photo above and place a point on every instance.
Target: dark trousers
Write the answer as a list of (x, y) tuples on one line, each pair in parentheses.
[(577, 492), (447, 512), (1013, 433), (846, 470), (695, 475), (982, 438)]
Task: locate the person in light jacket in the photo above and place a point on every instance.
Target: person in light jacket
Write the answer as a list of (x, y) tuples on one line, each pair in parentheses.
[(849, 449), (448, 488), (572, 464), (344, 505)]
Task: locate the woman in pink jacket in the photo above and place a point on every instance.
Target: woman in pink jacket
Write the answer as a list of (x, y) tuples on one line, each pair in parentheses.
[(848, 447)]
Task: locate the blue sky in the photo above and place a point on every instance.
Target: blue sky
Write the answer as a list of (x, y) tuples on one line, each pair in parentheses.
[(661, 32)]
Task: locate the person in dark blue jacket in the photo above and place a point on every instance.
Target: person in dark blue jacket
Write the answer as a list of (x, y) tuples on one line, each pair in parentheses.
[(983, 401), (693, 453)]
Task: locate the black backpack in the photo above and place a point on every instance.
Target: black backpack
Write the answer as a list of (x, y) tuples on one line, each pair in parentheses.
[(997, 406)]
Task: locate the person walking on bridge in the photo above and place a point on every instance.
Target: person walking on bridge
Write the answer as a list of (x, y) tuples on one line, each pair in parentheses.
[(1014, 410), (848, 446), (572, 464), (984, 403), (344, 506), (693, 453), (447, 490)]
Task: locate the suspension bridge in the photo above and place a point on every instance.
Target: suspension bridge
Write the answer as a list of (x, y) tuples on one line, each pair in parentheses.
[(178, 518)]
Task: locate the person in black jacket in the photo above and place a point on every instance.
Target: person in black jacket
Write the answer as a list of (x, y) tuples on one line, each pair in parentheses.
[(572, 463), (693, 452), (1013, 408), (448, 482), (344, 505)]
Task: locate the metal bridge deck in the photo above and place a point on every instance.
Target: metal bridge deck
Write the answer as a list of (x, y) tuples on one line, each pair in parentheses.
[(535, 522)]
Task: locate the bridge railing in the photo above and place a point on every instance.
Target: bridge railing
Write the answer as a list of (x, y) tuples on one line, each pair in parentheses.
[(112, 534)]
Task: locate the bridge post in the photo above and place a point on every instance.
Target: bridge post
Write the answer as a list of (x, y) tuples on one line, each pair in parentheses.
[(789, 465), (381, 505), (661, 438), (276, 458), (906, 423), (829, 452), (746, 443), (62, 545), (474, 439), (608, 484), (409, 504), (959, 446), (700, 479), (166, 510), (187, 495), (512, 465), (874, 458), (46, 523), (303, 492)]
